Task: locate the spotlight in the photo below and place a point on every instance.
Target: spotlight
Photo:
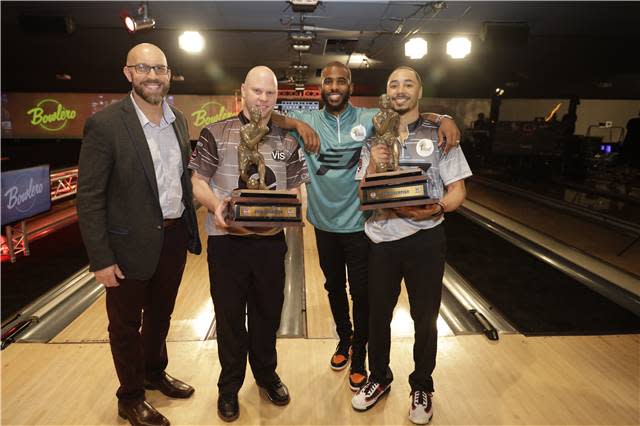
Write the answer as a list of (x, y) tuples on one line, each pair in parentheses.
[(458, 47), (63, 76), (499, 91), (416, 48), (300, 67), (191, 42), (142, 22)]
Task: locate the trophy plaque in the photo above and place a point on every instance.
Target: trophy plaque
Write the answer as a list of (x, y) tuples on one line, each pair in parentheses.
[(391, 186), (406, 187), (257, 206), (264, 208)]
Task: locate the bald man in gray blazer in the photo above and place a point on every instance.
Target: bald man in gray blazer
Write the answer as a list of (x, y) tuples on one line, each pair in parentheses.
[(137, 218)]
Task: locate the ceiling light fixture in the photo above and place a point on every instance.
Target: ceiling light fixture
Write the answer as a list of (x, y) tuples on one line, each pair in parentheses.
[(358, 60), (191, 42), (302, 36), (416, 48), (299, 66), (303, 6), (458, 47), (298, 47), (142, 22)]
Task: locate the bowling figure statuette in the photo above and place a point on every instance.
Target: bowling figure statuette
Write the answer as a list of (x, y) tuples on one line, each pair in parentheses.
[(390, 186), (258, 206)]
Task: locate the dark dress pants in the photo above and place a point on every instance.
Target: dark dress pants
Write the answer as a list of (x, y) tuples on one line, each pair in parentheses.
[(335, 250), (246, 276), (139, 314), (419, 259)]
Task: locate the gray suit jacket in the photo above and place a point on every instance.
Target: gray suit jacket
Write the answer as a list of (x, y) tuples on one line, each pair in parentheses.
[(117, 199)]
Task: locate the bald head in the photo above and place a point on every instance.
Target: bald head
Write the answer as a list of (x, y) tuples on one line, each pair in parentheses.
[(260, 89), (261, 73), (146, 53), (150, 86)]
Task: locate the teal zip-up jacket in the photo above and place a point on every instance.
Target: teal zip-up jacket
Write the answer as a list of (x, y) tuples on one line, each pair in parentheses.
[(332, 197)]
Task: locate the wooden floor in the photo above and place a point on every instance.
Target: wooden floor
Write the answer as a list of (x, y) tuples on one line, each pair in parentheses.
[(518, 380), (542, 381), (594, 239)]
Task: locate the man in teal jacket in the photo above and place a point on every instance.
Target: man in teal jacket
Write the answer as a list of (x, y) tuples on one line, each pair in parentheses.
[(333, 210)]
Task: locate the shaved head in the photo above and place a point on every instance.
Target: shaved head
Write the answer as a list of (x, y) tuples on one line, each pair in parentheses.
[(146, 53), (150, 87), (260, 89), (261, 73)]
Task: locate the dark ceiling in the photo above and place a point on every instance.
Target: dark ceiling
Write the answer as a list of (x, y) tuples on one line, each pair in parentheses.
[(536, 49)]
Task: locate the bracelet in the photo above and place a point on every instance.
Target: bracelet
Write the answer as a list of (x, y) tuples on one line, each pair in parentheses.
[(441, 116)]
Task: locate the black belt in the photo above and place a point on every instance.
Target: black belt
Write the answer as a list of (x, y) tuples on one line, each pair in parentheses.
[(166, 223), (277, 236)]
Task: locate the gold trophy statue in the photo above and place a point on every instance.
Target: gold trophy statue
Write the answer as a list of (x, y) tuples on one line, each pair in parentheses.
[(386, 124), (251, 135), (391, 186), (257, 206)]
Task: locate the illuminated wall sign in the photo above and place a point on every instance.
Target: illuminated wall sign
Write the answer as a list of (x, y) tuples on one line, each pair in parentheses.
[(51, 115), (25, 193), (210, 112)]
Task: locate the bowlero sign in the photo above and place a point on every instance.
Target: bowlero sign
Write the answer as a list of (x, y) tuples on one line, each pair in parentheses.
[(25, 193), (62, 115)]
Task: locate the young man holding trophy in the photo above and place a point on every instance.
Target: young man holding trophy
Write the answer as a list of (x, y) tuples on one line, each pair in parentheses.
[(408, 241), (333, 210), (246, 263)]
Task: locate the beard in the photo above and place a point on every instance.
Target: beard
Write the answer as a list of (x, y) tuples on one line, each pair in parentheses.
[(153, 99), (330, 107), (405, 108)]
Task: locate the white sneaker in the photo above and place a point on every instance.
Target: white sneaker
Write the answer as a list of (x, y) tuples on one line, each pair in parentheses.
[(421, 410), (369, 395)]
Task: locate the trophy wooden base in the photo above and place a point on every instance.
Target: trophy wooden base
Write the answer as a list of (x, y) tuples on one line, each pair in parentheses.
[(264, 209), (407, 187)]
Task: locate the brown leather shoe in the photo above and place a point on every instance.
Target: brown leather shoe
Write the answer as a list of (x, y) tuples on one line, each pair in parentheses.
[(141, 413), (170, 386)]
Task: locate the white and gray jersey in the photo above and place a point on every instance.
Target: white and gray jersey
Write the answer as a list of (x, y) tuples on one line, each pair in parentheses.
[(216, 157), (420, 150)]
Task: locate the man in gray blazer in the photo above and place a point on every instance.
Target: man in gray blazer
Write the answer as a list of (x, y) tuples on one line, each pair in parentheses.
[(137, 218)]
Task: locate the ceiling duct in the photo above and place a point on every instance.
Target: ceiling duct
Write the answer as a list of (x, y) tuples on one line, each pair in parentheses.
[(340, 46)]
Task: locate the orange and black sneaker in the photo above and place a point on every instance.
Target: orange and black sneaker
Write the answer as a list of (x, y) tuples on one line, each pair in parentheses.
[(357, 379), (341, 356)]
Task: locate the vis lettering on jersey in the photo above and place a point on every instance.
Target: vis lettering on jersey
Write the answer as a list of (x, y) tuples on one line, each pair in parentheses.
[(277, 155), (338, 159)]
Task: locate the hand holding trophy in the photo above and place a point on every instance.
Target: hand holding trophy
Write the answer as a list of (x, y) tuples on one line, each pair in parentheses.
[(391, 186), (258, 206)]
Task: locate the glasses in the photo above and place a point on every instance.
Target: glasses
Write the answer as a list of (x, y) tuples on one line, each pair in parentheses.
[(146, 69)]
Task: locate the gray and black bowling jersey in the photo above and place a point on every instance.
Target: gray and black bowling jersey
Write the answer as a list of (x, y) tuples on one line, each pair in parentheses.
[(420, 150), (216, 158)]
